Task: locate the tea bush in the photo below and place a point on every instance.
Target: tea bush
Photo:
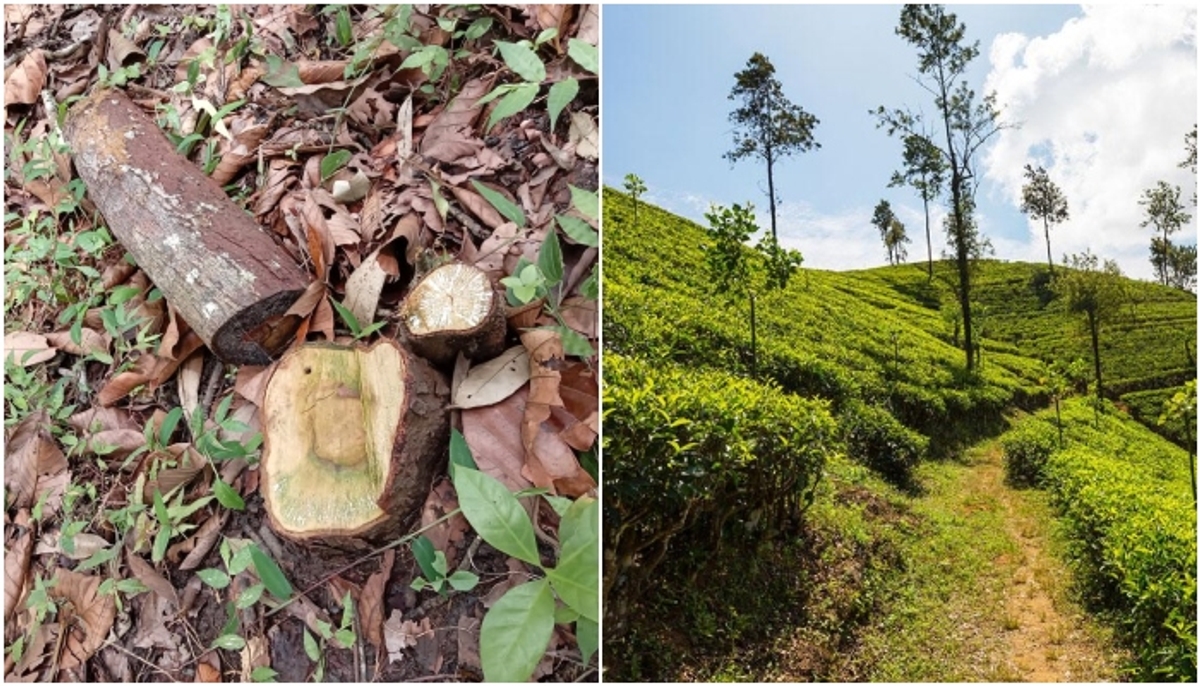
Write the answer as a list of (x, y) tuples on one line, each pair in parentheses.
[(1026, 451)]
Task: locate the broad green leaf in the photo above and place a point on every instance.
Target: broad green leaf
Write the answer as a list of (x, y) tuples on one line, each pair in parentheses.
[(522, 60), (227, 496), (561, 94), (168, 426), (590, 288), (516, 631), (574, 343), (161, 539), (310, 647), (280, 74), (550, 259), (462, 580), (578, 230), (439, 202), (503, 205), (418, 584), (98, 558), (460, 452), (587, 202), (229, 642), (576, 579), (241, 559), (495, 514), (261, 674), (502, 89), (559, 503), (344, 637), (585, 55), (270, 573), (214, 577), (423, 551), (587, 633), (334, 161), (249, 596), (348, 317), (516, 101)]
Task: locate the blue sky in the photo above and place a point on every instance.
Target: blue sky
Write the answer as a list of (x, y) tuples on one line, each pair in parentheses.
[(1104, 96)]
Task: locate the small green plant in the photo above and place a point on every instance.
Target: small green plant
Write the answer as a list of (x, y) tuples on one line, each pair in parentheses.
[(357, 330), (517, 629), (343, 637), (239, 555), (522, 59), (433, 565)]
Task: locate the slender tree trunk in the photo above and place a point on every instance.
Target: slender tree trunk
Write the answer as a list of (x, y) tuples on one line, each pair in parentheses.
[(753, 341), (1094, 325), (771, 190), (928, 240), (1049, 259), (960, 230)]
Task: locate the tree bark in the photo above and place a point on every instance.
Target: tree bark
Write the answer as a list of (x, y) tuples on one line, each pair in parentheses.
[(223, 273), (928, 239), (1049, 259), (1094, 326)]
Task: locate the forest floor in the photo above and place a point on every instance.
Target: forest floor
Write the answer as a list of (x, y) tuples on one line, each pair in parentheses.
[(986, 595)]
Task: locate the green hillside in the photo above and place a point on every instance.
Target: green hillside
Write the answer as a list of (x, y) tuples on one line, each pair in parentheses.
[(694, 448)]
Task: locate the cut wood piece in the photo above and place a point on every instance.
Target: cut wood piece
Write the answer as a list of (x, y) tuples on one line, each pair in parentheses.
[(352, 440), (223, 273), (455, 308)]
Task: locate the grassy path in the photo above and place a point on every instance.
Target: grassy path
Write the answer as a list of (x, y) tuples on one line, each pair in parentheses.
[(985, 594)]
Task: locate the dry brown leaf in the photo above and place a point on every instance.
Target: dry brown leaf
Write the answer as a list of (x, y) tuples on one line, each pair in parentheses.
[(31, 457), (482, 209), (152, 629), (251, 382), (493, 380), (373, 601), (96, 419), (124, 383), (468, 642), (446, 535), (257, 653), (556, 466), (364, 287), (325, 71), (188, 384), (93, 615), (319, 242), (322, 319), (580, 314), (152, 579), (164, 367), (23, 86), (589, 25), (493, 434), (584, 135), (453, 147), (191, 462), (84, 545), (25, 348), (279, 176), (16, 569), (459, 116), (400, 633), (306, 611), (116, 444), (208, 670), (199, 545), (90, 341), (247, 134)]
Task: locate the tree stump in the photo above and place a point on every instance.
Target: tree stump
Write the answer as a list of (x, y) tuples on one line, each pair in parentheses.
[(222, 272), (454, 308), (352, 440)]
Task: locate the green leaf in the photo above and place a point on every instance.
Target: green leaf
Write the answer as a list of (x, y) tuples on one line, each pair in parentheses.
[(502, 204), (550, 259), (502, 89), (418, 584), (590, 288), (574, 343), (495, 514), (576, 579), (280, 74), (249, 596), (460, 452), (168, 426), (587, 633), (516, 101), (462, 580), (227, 496), (578, 230), (98, 558), (423, 551), (334, 161), (561, 94), (240, 560), (559, 503), (585, 55), (214, 577), (310, 646), (229, 642), (516, 631), (587, 202), (344, 637), (261, 674), (439, 202), (522, 60), (123, 294), (348, 317), (270, 573)]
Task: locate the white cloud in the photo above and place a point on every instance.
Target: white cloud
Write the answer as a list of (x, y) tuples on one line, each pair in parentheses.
[(1103, 104)]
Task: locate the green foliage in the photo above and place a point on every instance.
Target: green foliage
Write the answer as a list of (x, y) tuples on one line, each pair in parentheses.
[(517, 629), (727, 258), (877, 439), (767, 126), (688, 451), (1165, 215), (1026, 451), (1042, 199), (634, 186)]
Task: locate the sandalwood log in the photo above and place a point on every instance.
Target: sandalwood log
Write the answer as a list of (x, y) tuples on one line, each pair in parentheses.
[(222, 272), (353, 437)]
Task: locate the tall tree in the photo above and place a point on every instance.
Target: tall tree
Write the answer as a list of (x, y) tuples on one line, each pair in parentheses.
[(894, 241), (967, 123), (924, 171), (1096, 292), (1041, 199), (1189, 162), (1164, 213), (767, 126), (635, 187)]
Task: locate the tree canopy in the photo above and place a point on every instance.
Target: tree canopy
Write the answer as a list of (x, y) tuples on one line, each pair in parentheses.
[(1042, 199), (767, 126), (925, 172)]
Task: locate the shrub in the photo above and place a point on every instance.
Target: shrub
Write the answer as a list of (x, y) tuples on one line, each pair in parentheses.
[(877, 440), (686, 451), (1026, 451)]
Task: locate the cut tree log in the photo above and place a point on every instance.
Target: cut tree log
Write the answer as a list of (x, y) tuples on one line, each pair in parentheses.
[(352, 440), (221, 271), (454, 308)]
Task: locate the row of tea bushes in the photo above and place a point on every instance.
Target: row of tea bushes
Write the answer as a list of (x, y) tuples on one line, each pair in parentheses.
[(1131, 517)]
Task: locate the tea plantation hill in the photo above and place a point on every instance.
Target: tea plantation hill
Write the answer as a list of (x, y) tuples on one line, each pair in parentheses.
[(860, 411)]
